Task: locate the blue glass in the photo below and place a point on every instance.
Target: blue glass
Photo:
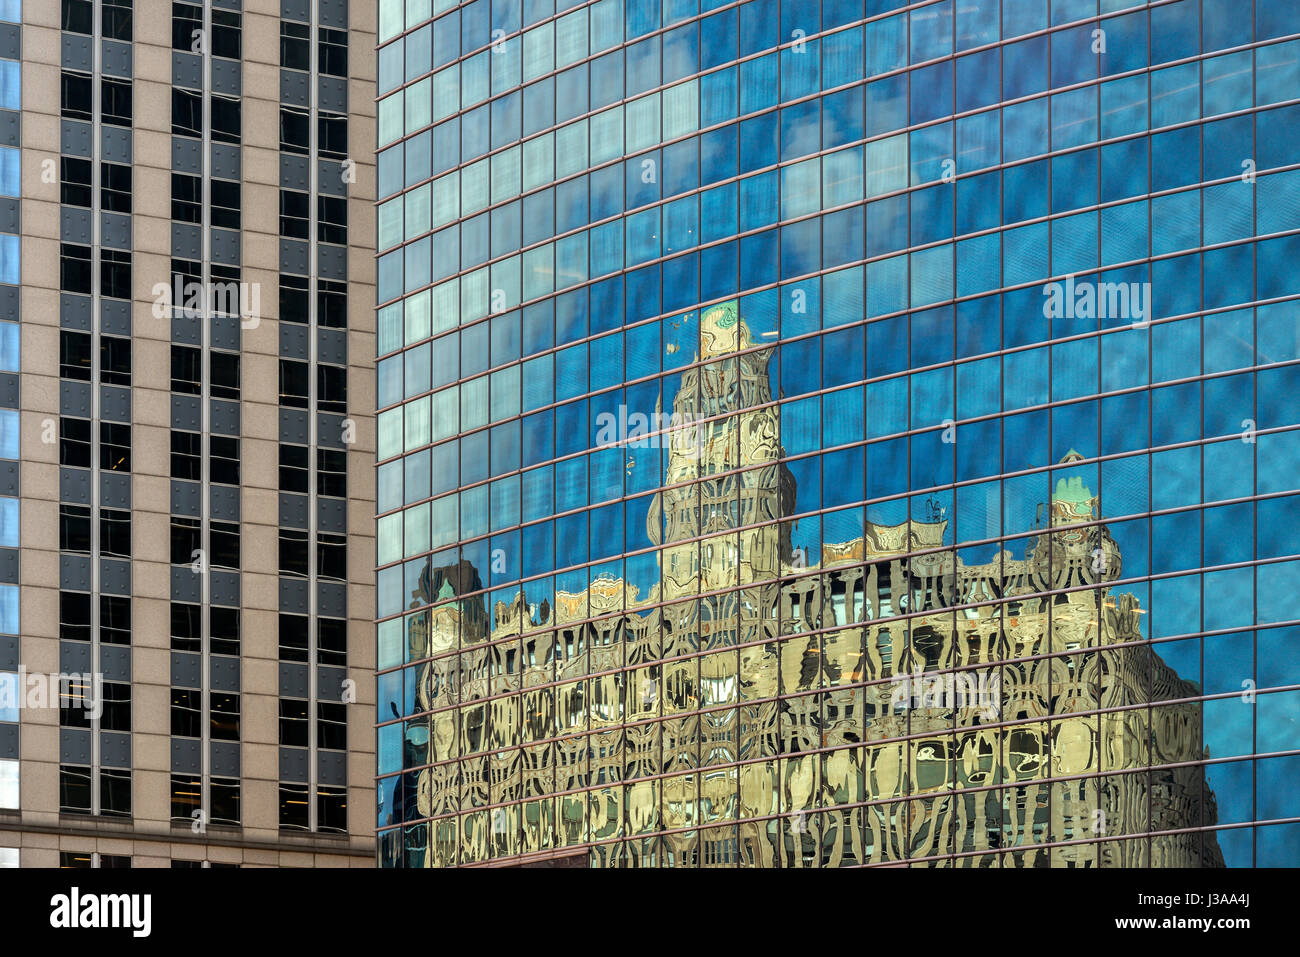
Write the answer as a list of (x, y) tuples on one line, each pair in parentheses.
[(476, 25), (911, 276), (419, 52), (886, 104), (931, 92), (10, 696), (1024, 67), (9, 526), (1026, 129), (977, 79), (10, 85), (10, 174), (10, 259), (9, 438), (9, 347), (9, 623)]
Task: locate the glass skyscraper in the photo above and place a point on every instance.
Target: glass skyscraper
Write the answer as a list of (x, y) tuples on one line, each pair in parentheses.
[(841, 433)]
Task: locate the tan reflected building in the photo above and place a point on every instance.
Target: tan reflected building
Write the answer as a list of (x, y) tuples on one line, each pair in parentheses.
[(881, 702)]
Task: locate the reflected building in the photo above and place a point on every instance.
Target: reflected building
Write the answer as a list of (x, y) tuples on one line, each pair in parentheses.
[(881, 702)]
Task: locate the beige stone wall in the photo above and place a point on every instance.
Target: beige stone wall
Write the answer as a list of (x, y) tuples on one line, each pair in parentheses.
[(362, 26), (39, 400)]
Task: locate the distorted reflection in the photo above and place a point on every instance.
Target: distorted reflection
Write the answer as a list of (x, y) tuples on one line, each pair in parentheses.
[(757, 705)]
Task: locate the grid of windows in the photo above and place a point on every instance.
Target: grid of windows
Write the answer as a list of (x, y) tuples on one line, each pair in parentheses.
[(312, 546), (94, 426), (86, 860), (749, 374), (207, 305)]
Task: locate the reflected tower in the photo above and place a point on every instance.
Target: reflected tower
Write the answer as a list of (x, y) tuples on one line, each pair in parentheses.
[(883, 701)]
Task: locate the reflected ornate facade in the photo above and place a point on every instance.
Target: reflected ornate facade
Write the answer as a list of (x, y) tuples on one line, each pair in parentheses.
[(882, 702)]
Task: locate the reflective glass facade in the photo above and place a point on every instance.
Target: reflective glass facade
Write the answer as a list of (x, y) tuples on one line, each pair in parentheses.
[(10, 444), (836, 434)]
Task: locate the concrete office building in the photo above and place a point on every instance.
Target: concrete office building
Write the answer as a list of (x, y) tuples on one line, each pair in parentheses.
[(187, 380)]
